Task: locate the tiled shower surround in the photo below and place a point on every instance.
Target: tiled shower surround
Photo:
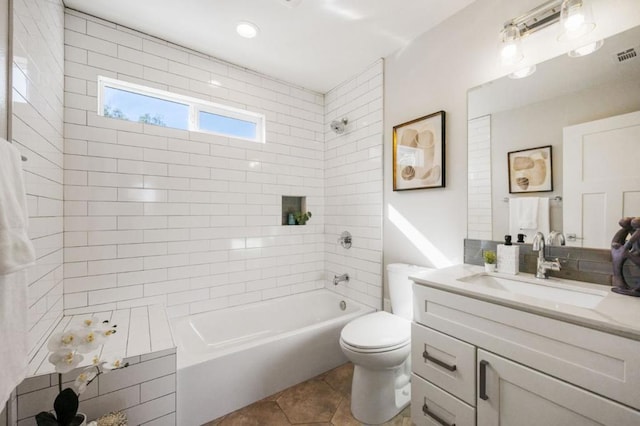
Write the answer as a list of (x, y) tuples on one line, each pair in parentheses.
[(192, 220)]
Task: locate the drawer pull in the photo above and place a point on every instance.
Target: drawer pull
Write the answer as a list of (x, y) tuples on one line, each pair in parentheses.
[(483, 380), (436, 361), (435, 417)]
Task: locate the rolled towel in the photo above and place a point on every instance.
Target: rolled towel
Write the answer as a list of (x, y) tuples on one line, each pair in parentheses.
[(16, 250)]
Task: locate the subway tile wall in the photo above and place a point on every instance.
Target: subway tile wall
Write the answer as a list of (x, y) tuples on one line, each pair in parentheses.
[(145, 391), (191, 220), (353, 185), (37, 131), (479, 180)]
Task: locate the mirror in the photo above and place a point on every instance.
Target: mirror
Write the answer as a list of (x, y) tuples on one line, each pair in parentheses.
[(508, 115)]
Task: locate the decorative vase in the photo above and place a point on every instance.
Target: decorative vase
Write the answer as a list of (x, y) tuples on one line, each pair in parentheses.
[(290, 219), (80, 420), (489, 267)]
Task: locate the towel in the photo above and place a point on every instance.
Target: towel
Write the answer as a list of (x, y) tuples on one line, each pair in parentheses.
[(16, 250), (13, 332), (521, 213)]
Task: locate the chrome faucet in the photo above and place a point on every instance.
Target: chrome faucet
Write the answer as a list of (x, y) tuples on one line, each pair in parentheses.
[(339, 278), (556, 235), (543, 265)]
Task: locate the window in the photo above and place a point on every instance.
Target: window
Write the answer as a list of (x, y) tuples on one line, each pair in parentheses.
[(127, 101)]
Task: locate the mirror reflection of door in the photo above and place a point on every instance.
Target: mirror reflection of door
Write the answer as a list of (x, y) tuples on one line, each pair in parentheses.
[(601, 178)]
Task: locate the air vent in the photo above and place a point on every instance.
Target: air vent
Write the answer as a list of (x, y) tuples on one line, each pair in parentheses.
[(626, 55)]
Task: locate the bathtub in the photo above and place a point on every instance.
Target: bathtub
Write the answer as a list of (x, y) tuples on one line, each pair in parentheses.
[(232, 357)]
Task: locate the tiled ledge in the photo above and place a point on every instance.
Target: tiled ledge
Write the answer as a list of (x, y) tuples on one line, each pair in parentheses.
[(141, 330)]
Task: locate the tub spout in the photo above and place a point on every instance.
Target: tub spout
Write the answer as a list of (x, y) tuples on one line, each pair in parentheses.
[(339, 278)]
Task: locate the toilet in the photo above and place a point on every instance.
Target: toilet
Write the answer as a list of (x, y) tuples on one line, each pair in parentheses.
[(379, 345)]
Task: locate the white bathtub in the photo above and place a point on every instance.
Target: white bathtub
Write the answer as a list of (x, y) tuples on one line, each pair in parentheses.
[(232, 357)]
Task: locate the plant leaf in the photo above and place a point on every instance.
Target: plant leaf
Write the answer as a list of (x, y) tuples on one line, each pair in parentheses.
[(45, 418), (66, 406)]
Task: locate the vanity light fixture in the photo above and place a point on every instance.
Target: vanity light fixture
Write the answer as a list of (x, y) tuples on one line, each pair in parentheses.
[(247, 29), (511, 46), (576, 20)]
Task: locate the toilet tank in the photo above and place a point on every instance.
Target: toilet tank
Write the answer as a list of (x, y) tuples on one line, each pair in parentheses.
[(400, 291)]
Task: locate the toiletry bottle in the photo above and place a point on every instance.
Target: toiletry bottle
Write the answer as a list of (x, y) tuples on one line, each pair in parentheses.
[(508, 257)]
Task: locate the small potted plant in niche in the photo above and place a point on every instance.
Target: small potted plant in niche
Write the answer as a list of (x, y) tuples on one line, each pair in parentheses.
[(302, 218), (66, 349), (489, 260)]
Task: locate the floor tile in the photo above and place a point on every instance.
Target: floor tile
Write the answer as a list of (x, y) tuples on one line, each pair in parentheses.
[(262, 413), (324, 400), (311, 401)]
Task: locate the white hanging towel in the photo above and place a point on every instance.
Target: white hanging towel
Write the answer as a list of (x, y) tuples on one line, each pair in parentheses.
[(528, 216), (16, 250), (16, 253), (13, 332)]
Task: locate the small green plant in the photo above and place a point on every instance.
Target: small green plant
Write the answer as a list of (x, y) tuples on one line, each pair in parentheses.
[(489, 257), (302, 218)]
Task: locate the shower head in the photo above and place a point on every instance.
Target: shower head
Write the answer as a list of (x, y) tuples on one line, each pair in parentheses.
[(338, 126)]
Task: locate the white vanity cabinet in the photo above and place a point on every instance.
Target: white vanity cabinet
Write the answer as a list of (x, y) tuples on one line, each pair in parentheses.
[(479, 362)]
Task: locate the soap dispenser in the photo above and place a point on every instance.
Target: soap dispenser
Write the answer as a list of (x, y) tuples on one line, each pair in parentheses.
[(508, 257)]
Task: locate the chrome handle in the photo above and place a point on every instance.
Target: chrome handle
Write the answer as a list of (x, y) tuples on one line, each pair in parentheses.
[(436, 361), (434, 416), (483, 381)]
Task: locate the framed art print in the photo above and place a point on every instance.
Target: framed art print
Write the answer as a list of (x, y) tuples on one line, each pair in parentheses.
[(530, 170), (418, 153)]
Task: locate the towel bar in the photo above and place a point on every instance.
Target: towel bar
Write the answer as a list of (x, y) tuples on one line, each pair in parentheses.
[(557, 198)]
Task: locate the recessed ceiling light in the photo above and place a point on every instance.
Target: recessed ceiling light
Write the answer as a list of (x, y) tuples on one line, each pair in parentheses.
[(247, 29)]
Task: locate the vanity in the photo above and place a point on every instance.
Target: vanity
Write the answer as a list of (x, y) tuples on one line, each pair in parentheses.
[(496, 349)]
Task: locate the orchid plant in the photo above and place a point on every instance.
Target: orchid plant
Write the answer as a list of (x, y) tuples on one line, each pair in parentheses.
[(67, 349)]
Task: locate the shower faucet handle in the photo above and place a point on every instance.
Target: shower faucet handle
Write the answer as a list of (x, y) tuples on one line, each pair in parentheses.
[(345, 239)]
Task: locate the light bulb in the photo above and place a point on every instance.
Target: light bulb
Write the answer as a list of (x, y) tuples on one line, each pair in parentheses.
[(510, 50), (576, 19)]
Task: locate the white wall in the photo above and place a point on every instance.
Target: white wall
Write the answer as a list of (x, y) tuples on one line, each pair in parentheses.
[(158, 215), (433, 73), (38, 133), (353, 185)]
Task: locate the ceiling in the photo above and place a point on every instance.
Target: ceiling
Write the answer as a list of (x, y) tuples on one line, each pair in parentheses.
[(316, 44)]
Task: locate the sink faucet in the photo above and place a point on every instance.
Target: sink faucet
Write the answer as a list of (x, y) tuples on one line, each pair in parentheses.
[(543, 265), (339, 278), (553, 235)]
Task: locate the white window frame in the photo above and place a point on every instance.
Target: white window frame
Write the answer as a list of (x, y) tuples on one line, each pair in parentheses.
[(195, 107)]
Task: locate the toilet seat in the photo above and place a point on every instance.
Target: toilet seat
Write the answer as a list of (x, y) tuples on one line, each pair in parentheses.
[(377, 332)]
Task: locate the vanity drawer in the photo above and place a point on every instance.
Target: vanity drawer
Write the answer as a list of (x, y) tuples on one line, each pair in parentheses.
[(444, 361), (432, 406)]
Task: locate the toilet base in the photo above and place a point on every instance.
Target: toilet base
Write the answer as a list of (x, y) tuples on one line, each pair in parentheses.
[(379, 395)]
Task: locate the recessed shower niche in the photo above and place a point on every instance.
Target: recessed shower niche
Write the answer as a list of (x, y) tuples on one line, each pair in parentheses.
[(292, 205)]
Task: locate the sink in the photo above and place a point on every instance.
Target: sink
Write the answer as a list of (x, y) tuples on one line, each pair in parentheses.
[(551, 290)]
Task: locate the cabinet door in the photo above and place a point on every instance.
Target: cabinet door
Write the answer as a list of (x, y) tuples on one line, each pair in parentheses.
[(512, 394)]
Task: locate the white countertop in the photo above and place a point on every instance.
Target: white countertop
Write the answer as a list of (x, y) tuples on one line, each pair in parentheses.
[(616, 313)]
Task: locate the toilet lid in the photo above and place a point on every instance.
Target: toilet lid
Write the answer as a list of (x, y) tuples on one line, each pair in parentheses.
[(377, 330)]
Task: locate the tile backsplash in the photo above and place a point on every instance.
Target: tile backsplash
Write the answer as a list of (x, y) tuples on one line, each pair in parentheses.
[(580, 264)]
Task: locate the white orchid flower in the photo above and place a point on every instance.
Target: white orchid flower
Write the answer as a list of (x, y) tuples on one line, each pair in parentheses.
[(88, 340), (92, 322), (83, 380), (113, 364), (64, 340), (65, 361)]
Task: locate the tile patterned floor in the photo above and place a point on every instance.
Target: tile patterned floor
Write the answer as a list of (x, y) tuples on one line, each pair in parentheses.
[(322, 401)]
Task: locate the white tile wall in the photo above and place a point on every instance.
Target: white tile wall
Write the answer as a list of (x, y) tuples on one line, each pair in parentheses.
[(353, 185), (146, 391), (479, 167), (37, 124), (190, 220)]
